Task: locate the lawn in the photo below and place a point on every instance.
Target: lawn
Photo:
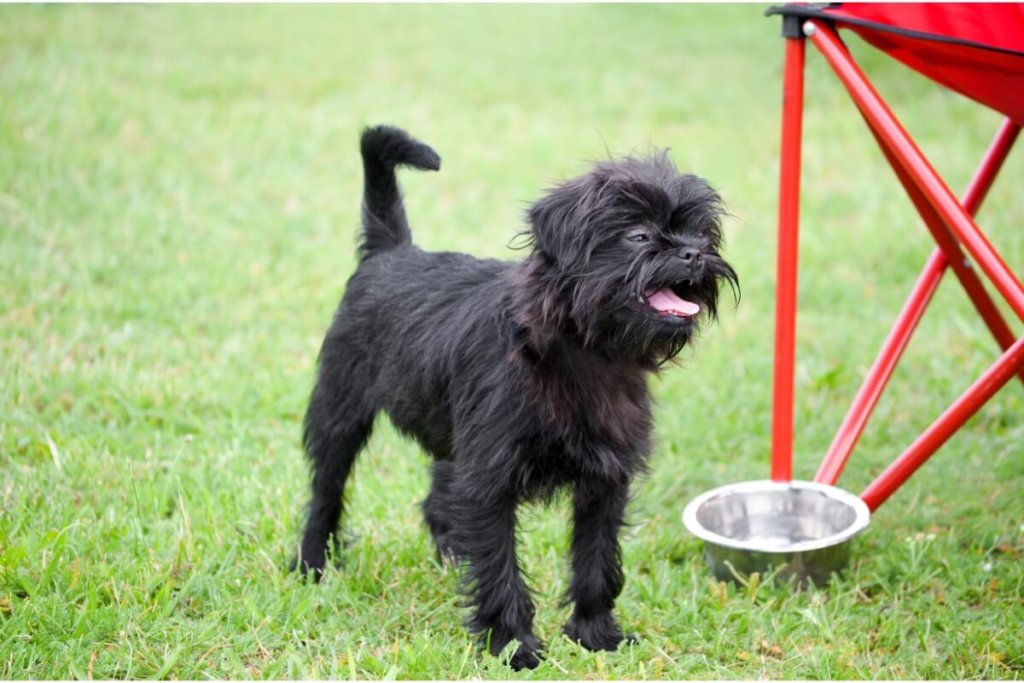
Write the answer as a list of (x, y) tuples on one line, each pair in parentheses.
[(179, 197)]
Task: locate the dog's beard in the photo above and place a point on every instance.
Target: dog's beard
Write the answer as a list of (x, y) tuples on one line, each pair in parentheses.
[(643, 312)]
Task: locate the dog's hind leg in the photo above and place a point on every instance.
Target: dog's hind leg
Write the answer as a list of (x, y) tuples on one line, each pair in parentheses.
[(338, 423)]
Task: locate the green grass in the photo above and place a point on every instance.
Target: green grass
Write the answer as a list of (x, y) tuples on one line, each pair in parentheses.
[(179, 194)]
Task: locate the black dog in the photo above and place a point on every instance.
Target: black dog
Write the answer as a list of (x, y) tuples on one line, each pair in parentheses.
[(520, 379)]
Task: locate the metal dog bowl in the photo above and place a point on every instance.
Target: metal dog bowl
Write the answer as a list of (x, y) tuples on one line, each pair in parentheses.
[(801, 528)]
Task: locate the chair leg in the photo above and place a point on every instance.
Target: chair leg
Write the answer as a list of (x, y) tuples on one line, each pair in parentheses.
[(785, 301)]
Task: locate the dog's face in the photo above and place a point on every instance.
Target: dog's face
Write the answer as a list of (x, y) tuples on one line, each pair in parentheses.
[(630, 257)]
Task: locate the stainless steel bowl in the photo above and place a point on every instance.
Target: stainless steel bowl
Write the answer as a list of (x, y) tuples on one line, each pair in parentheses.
[(800, 528)]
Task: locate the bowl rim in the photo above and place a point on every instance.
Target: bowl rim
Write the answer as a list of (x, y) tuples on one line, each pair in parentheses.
[(862, 515)]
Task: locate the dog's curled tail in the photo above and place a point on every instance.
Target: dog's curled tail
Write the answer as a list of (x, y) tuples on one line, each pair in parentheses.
[(384, 148)]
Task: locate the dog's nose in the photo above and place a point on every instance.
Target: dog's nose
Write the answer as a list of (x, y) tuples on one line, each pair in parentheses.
[(691, 256)]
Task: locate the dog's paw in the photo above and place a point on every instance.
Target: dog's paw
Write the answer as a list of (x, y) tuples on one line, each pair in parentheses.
[(601, 632), (524, 658), (528, 652), (308, 569)]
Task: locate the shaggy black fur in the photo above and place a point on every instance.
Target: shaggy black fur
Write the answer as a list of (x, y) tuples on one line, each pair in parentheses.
[(520, 379)]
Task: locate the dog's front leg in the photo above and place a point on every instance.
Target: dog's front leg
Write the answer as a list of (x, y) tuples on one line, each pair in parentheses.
[(484, 535), (597, 578)]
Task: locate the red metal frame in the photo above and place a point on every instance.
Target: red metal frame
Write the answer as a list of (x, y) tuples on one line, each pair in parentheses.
[(906, 322), (951, 225)]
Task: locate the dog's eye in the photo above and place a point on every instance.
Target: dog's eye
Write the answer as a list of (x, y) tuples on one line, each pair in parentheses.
[(638, 237)]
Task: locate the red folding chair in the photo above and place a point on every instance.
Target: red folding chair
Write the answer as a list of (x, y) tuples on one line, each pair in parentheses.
[(978, 51)]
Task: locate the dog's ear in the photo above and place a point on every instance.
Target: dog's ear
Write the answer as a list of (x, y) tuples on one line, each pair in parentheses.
[(555, 224)]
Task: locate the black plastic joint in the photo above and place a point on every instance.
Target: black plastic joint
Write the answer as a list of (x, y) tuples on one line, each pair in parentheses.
[(792, 27)]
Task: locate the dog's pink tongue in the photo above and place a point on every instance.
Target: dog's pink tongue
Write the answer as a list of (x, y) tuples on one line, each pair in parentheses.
[(667, 301)]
